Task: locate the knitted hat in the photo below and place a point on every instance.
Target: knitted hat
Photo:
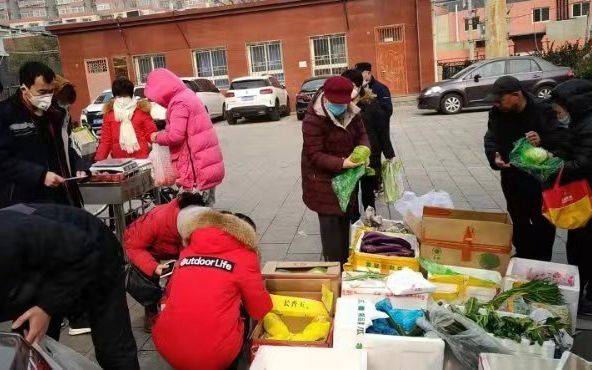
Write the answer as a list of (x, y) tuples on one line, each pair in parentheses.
[(338, 90)]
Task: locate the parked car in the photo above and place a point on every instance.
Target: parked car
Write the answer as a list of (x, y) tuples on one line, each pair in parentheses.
[(208, 93), (470, 86), (254, 96), (308, 89)]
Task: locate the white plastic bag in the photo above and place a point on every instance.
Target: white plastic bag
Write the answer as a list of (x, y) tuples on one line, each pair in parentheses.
[(66, 357), (410, 206), (407, 281), (163, 172)]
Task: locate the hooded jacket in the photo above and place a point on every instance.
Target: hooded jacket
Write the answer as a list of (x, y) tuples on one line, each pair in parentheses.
[(200, 325), (326, 144), (189, 133), (143, 127), (576, 97)]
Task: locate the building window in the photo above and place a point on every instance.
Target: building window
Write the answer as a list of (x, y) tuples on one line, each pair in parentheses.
[(103, 7), (329, 54), (471, 23), (580, 9), (120, 67), (146, 64), (540, 14), (266, 59), (211, 64), (33, 13)]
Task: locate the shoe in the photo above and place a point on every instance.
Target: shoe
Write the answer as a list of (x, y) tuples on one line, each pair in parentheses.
[(149, 318), (585, 308), (78, 331)]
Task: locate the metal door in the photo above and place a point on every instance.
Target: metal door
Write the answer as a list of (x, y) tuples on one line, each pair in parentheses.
[(97, 76), (391, 67)]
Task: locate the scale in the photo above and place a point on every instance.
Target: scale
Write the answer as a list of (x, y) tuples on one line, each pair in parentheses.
[(126, 166)]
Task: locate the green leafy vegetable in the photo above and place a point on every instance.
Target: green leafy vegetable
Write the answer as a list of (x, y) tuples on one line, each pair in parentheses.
[(531, 159), (542, 291), (360, 154)]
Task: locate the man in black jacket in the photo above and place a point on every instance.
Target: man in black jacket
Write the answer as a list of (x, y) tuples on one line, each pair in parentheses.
[(383, 94), (515, 115), (58, 260), (35, 157)]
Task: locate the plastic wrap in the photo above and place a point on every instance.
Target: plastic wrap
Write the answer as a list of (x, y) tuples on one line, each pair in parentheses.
[(163, 172), (392, 180), (66, 357)]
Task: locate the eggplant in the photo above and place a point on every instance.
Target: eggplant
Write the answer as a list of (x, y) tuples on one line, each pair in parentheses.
[(393, 249), (375, 238)]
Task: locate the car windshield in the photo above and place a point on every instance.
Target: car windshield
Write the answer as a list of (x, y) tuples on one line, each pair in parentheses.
[(313, 85), (248, 84), (139, 92), (103, 98), (545, 65)]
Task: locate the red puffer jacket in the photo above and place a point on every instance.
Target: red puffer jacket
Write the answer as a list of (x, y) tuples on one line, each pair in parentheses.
[(153, 237), (200, 326), (109, 142), (326, 144)]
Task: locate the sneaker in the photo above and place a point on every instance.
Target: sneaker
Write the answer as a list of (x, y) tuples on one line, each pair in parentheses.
[(585, 307), (78, 331)]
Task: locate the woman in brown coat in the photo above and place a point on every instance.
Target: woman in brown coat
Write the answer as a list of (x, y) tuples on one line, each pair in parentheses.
[(331, 130)]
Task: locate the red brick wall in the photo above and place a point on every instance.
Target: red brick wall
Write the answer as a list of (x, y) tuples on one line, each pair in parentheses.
[(293, 27)]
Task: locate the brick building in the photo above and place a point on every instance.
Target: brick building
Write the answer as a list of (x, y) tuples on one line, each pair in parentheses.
[(292, 39)]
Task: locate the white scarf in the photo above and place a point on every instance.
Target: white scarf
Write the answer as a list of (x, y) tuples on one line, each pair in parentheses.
[(124, 109)]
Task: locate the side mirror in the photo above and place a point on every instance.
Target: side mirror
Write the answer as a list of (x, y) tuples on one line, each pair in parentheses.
[(476, 78)]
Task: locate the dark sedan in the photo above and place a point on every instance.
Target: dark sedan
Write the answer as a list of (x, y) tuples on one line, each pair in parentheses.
[(307, 91), (469, 87)]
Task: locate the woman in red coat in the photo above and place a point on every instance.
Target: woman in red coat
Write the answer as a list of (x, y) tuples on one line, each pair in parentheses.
[(331, 129), (200, 326), (127, 124), (154, 237)]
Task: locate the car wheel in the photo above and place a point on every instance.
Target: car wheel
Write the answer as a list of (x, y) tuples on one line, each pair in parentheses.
[(300, 116), (287, 108), (451, 104), (544, 92), (275, 113), (230, 118)]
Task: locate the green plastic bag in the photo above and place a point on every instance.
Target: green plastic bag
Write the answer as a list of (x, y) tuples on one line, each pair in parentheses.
[(345, 183), (536, 161), (392, 180)]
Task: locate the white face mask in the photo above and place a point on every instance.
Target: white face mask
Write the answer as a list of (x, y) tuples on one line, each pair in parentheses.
[(41, 102), (565, 119)]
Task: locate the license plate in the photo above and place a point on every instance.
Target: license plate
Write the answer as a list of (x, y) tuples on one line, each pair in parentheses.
[(247, 98)]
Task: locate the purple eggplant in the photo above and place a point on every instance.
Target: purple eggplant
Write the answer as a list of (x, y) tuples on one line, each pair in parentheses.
[(381, 239)]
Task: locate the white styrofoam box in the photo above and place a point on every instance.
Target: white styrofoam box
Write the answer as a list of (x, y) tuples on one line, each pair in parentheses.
[(497, 361), (385, 352), (375, 290), (309, 358), (481, 293), (519, 268)]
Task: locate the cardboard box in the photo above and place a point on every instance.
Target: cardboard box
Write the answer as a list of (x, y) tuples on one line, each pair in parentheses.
[(300, 358), (303, 288), (385, 352), (466, 238), (304, 270)]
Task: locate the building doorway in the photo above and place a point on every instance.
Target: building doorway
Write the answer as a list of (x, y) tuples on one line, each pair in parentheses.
[(97, 76), (391, 68)]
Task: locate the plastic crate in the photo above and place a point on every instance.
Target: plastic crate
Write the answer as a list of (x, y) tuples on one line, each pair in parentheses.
[(360, 261)]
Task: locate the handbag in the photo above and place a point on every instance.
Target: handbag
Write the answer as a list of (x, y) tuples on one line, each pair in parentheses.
[(568, 206), (142, 288)]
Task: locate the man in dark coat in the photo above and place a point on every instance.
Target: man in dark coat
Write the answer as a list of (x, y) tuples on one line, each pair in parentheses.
[(383, 94), (516, 114), (35, 155), (58, 260), (572, 101), (331, 130), (378, 130)]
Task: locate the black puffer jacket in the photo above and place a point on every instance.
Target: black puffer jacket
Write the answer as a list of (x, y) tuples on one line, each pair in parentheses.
[(377, 127), (576, 97)]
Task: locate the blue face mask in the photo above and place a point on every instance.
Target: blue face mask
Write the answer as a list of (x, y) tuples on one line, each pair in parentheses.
[(336, 109)]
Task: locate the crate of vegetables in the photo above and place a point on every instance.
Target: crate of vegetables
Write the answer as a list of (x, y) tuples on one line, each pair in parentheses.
[(384, 252)]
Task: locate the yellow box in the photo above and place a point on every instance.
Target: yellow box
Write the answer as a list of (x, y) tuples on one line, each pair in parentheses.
[(360, 261)]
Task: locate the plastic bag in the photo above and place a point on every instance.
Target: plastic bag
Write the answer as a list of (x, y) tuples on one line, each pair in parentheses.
[(410, 206), (66, 357), (274, 326), (392, 180), (536, 161), (465, 338), (345, 183), (163, 172), (405, 319), (407, 281), (298, 307)]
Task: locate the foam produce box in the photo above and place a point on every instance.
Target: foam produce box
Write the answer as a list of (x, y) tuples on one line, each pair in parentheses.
[(466, 238), (385, 352), (300, 358), (521, 270), (360, 261), (498, 361), (458, 288), (375, 290)]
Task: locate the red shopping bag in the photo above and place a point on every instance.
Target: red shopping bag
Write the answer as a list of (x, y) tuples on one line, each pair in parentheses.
[(568, 206)]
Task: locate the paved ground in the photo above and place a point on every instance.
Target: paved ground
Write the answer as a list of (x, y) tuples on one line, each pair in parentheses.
[(263, 180)]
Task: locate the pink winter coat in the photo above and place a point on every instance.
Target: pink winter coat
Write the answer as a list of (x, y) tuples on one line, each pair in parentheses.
[(189, 133)]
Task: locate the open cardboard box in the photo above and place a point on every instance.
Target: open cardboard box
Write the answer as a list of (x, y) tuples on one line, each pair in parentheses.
[(466, 238), (303, 288), (303, 270)]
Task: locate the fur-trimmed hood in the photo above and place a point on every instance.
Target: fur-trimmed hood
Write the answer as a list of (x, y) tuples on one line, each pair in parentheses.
[(227, 223), (144, 105)]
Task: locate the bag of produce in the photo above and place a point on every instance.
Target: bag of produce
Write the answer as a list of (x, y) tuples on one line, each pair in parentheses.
[(346, 182), (536, 161), (163, 172), (392, 180)]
